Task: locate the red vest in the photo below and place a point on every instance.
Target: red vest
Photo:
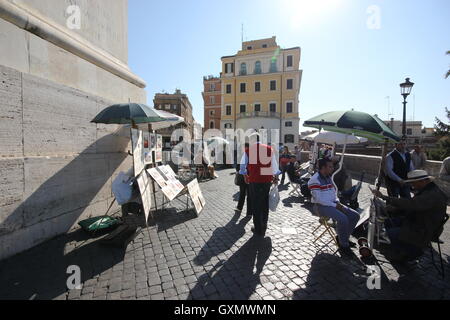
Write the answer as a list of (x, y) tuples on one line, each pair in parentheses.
[(259, 168)]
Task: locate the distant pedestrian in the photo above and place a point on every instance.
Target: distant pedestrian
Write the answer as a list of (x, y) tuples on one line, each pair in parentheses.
[(243, 189), (260, 169), (419, 158), (285, 158)]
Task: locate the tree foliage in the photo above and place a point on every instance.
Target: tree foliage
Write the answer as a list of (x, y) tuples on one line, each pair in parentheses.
[(442, 130)]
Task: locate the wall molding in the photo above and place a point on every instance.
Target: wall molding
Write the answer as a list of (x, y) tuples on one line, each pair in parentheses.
[(67, 40)]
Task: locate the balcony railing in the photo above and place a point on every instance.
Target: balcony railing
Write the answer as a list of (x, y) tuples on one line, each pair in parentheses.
[(255, 114)]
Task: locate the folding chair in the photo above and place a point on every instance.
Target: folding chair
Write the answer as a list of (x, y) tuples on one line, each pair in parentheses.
[(438, 242), (296, 191), (323, 222)]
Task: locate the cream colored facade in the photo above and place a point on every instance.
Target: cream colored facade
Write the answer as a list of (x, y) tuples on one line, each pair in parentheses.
[(277, 107)]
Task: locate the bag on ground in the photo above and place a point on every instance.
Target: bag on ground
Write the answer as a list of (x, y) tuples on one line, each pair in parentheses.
[(274, 198)]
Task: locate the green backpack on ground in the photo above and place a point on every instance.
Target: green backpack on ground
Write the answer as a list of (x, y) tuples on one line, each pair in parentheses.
[(97, 224)]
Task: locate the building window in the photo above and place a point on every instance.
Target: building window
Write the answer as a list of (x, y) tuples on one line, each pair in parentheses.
[(288, 124), (212, 99), (257, 67), (290, 84), (264, 45), (249, 48), (289, 107), (212, 87), (290, 61), (273, 65), (243, 87), (229, 67), (289, 138), (257, 86), (211, 124), (243, 70), (273, 85), (228, 88), (273, 107), (242, 108), (228, 110), (211, 113), (409, 131), (174, 107), (227, 126), (167, 106), (257, 107)]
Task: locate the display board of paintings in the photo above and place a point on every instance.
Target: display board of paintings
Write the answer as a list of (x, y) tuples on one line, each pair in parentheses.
[(146, 194), (137, 139), (196, 195), (167, 188), (170, 178)]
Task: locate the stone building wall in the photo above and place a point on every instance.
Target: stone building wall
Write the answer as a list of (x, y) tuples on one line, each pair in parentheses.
[(56, 167)]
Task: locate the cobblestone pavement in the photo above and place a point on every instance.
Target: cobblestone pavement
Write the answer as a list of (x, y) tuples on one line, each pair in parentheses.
[(214, 256)]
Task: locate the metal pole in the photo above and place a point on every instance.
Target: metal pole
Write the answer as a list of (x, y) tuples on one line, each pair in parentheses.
[(404, 118)]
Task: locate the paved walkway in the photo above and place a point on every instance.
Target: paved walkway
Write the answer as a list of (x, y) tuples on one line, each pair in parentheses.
[(214, 256)]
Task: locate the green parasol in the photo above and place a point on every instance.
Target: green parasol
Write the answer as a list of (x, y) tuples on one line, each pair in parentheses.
[(131, 113), (353, 123)]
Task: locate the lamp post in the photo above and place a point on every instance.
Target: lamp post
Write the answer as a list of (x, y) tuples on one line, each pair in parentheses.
[(405, 89)]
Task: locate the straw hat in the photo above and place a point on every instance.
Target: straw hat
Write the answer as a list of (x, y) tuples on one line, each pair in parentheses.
[(417, 175)]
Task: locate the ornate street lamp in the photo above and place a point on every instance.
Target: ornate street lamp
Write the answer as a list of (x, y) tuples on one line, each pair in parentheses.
[(405, 89)]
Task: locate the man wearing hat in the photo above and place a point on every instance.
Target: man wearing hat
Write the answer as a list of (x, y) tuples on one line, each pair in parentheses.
[(421, 217), (259, 167)]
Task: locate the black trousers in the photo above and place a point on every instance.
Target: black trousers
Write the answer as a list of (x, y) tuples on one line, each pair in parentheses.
[(259, 199), (243, 188)]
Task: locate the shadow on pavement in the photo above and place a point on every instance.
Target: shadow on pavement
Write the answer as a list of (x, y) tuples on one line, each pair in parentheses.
[(49, 276), (218, 284), (331, 277), (222, 239)]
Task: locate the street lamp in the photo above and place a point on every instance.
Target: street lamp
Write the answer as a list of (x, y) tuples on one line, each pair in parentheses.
[(405, 89)]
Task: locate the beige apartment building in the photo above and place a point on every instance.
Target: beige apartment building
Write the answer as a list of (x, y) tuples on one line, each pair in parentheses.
[(260, 89)]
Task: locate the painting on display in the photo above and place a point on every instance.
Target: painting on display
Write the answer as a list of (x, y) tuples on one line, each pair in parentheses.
[(158, 152), (137, 140), (148, 159), (152, 142), (196, 195), (146, 194)]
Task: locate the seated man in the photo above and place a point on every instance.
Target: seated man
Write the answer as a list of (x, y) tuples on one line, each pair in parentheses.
[(325, 199), (422, 216)]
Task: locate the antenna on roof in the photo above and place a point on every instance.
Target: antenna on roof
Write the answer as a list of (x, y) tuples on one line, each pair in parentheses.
[(242, 32), (390, 113)]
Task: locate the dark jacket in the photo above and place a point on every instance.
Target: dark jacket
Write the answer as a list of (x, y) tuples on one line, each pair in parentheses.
[(425, 214)]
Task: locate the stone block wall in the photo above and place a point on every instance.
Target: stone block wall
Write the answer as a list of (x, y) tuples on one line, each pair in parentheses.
[(56, 167)]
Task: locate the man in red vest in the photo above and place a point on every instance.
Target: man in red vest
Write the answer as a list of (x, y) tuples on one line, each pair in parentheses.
[(260, 169)]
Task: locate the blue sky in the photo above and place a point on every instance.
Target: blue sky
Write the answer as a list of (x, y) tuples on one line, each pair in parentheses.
[(346, 64)]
